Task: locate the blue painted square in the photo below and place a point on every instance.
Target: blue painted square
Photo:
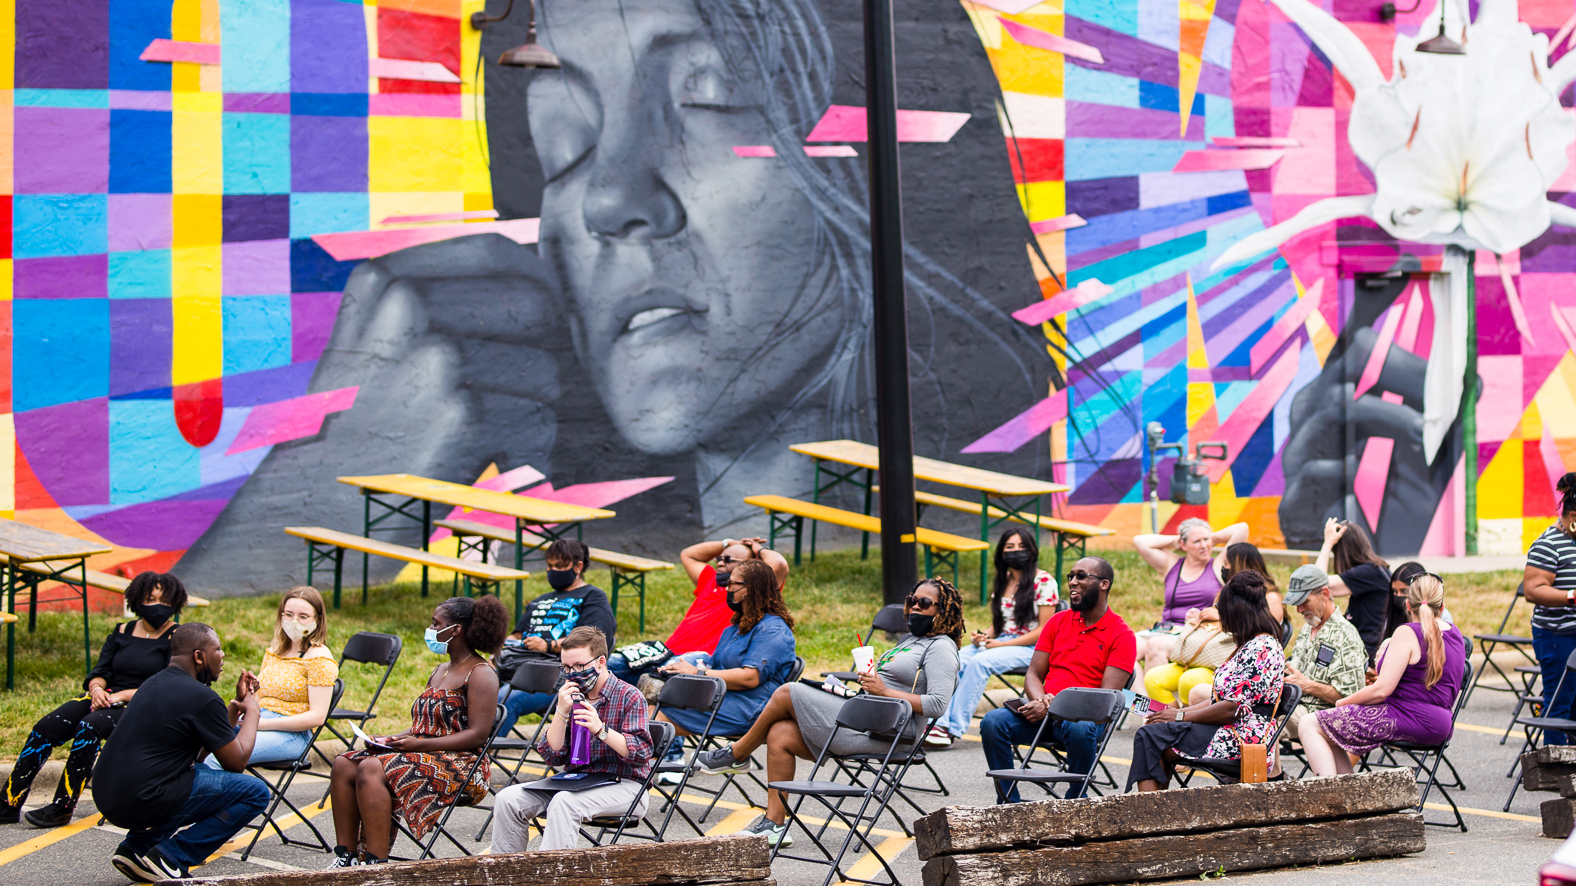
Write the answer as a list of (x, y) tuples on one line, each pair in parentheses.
[(256, 39), (148, 457), (327, 212), (1118, 15), (1227, 202), (139, 152), (133, 24), (313, 270), (329, 104), (256, 154), (1101, 87), (60, 351), (256, 332), (139, 274), (59, 224)]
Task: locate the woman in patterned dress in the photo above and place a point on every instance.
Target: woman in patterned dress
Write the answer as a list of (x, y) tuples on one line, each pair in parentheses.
[(1242, 707), (420, 771), (1420, 669)]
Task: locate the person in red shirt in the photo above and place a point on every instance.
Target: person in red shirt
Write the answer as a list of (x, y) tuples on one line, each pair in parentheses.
[(1087, 645), (709, 563)]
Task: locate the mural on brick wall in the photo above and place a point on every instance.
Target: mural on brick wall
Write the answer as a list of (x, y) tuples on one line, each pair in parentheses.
[(258, 244)]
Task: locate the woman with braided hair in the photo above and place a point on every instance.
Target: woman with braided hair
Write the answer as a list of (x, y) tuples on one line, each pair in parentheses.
[(799, 719)]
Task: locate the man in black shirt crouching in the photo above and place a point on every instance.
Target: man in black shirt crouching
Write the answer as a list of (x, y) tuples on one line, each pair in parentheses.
[(146, 780)]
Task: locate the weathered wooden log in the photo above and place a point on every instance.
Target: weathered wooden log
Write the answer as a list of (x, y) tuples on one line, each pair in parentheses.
[(1567, 786), (1156, 858), (714, 860), (1193, 811), (1555, 754), (1538, 775), (1559, 817)]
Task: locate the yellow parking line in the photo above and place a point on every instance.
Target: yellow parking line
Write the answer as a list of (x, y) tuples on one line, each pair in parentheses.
[(869, 865), (49, 838), (1486, 813), (737, 820), (1473, 727), (285, 823)]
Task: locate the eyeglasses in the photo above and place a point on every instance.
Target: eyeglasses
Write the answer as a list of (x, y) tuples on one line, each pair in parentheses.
[(918, 602), (728, 560), (736, 584), (1080, 575), (577, 668)]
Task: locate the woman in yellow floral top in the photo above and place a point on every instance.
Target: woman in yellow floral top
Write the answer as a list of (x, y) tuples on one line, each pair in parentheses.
[(296, 680)]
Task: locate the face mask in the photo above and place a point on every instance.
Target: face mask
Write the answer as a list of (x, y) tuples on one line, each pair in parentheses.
[(560, 579), (1017, 559), (722, 580), (735, 605), (204, 676), (295, 630), (920, 625), (438, 647), (156, 614), (585, 678)]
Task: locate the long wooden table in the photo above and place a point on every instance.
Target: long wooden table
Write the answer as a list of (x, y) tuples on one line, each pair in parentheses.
[(398, 495), (52, 557), (995, 489)]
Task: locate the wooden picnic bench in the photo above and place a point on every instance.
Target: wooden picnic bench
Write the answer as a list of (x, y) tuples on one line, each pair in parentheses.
[(627, 569), (106, 581), (940, 547), (58, 557), (1069, 535), (330, 544)]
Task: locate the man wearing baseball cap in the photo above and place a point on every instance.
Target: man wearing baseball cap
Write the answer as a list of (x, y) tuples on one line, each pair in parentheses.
[(1328, 659)]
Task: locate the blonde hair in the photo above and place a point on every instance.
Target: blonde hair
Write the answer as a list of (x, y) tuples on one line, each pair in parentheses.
[(1426, 594), (282, 644)]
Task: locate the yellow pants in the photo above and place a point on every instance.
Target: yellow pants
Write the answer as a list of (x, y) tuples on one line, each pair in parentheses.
[(1170, 683)]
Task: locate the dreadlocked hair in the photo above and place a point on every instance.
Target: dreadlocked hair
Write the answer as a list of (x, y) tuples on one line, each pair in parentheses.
[(762, 597), (949, 609)]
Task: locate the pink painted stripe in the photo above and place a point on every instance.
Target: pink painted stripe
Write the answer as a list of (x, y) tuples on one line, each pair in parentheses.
[(1011, 7), (413, 104), (1406, 339), (162, 50), (1255, 141), (1062, 302), (1284, 328), (356, 245), (844, 123), (292, 419), (408, 69), (1025, 427), (440, 216), (830, 151), (1212, 161), (1563, 325), (1376, 357), (1054, 42), (1070, 220), (1254, 408), (755, 150), (1517, 313), (1372, 471)]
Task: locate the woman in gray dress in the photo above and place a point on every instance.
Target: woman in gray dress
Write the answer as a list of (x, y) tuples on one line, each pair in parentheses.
[(921, 669)]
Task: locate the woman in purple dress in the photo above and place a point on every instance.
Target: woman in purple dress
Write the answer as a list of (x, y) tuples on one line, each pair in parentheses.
[(1420, 670)]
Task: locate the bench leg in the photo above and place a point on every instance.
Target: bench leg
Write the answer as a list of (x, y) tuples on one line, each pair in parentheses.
[(864, 537), (798, 534), (641, 591)]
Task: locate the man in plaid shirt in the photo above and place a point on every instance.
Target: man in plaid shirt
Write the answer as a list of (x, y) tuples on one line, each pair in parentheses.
[(614, 712), (1328, 660)]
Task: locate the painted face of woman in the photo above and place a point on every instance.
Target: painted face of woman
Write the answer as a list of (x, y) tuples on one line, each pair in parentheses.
[(690, 270)]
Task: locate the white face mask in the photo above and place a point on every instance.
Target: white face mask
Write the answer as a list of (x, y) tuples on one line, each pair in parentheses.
[(295, 630)]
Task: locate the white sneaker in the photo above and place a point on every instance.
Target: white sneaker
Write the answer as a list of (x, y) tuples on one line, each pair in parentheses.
[(776, 834)]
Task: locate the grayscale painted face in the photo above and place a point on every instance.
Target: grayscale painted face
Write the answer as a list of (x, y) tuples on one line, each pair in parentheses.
[(690, 270)]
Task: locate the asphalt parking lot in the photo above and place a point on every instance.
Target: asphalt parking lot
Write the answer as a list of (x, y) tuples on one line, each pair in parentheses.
[(1499, 847)]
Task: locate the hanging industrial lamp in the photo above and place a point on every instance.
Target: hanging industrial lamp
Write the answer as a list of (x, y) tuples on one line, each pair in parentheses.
[(529, 54)]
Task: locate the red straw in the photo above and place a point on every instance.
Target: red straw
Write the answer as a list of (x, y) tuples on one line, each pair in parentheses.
[(857, 640)]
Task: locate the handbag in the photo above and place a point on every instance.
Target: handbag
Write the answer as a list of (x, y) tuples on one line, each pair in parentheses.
[(1203, 646), (1253, 759)]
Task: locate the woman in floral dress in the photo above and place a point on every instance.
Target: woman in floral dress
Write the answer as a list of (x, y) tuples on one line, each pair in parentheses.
[(1241, 708), (1420, 670), (420, 771)]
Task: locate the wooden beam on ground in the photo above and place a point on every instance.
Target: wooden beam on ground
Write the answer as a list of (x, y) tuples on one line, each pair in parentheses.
[(723, 861), (1545, 772), (1051, 822), (1157, 858), (1559, 816)]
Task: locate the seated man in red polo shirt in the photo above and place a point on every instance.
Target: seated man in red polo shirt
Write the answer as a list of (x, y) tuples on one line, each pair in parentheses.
[(1087, 645)]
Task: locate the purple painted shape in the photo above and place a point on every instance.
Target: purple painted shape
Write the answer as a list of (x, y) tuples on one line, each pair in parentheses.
[(1289, 56), (139, 221), (141, 331), (67, 446), (1092, 256), (256, 217), (1086, 120), (62, 44), (139, 100), (328, 47), (1023, 427), (1124, 54), (1213, 79), (257, 102), (267, 385), (1110, 483), (62, 150), (70, 276), (328, 153), (312, 317), (1273, 480), (1192, 227), (164, 525), (1497, 333), (257, 267)]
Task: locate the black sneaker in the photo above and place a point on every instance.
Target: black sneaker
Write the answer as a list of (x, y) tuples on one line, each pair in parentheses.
[(10, 814), (166, 868), (52, 816), (133, 866), (719, 761), (343, 858)]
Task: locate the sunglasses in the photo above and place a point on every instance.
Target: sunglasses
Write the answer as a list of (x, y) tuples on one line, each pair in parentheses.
[(918, 602), (728, 560), (1080, 575)]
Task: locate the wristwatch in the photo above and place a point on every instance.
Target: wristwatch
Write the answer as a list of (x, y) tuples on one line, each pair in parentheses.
[(602, 736), (1179, 715), (700, 670)]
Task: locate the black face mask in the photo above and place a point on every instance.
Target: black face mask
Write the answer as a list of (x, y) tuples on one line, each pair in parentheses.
[(560, 579), (155, 614), (203, 675), (735, 605), (1018, 559), (722, 580), (920, 625)]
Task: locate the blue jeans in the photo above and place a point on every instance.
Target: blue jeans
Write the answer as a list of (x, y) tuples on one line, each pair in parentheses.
[(1553, 650), (220, 804), (1001, 729), (271, 746), (620, 668), (517, 704), (975, 668)]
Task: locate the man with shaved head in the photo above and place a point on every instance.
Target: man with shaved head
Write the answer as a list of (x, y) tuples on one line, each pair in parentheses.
[(176, 815)]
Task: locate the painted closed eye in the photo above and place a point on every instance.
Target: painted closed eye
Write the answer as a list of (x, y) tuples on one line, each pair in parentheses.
[(710, 88)]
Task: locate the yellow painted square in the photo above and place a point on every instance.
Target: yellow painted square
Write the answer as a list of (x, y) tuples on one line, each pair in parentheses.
[(475, 201), (383, 205), (5, 279), (185, 77), (1499, 487), (1022, 68), (186, 20), (198, 102), (198, 340), (198, 219), (196, 152), (417, 154), (1043, 200), (7, 55), (1532, 527)]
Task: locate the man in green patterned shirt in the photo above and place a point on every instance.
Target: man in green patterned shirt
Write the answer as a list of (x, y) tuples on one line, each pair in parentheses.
[(1328, 660)]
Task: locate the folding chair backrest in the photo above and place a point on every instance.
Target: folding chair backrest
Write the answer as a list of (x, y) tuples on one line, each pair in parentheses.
[(537, 676), (662, 735), (890, 619), (1086, 705), (1521, 593), (1291, 696), (1287, 632), (798, 669), (692, 692), (876, 716), (1461, 697), (381, 650)]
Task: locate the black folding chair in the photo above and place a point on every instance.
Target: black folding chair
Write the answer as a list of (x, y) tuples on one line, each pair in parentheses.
[(859, 767), (1106, 778), (531, 676), (889, 620), (287, 771), (1529, 697), (662, 735), (1420, 755), (1075, 704), (881, 719), (753, 773), (1230, 771), (440, 827), (1536, 725), (1489, 642), (367, 648), (688, 692)]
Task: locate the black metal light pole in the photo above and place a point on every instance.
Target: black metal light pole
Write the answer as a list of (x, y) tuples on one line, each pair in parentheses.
[(894, 426)]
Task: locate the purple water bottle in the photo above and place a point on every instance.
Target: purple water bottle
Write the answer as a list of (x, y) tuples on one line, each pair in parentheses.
[(579, 738)]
